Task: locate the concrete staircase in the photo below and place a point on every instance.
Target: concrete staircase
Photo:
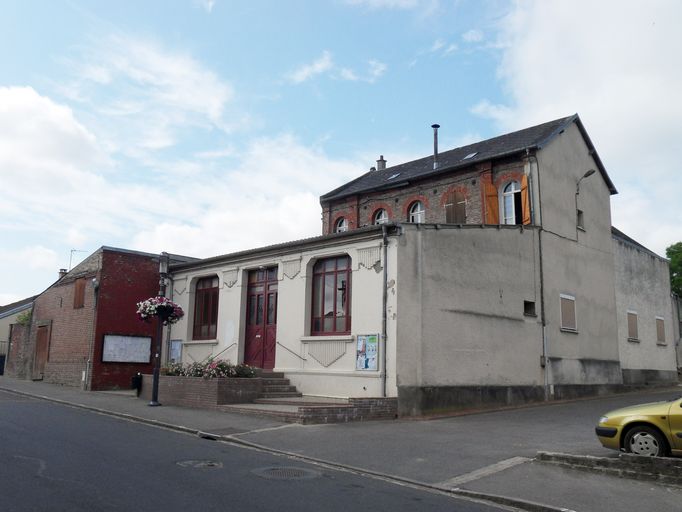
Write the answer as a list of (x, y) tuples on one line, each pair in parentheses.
[(282, 401)]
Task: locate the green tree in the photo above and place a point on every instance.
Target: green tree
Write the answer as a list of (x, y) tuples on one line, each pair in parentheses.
[(674, 254)]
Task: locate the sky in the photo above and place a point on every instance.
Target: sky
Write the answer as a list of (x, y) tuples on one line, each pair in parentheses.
[(203, 127)]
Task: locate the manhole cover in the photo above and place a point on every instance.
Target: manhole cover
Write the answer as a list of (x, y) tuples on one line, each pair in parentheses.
[(200, 464), (286, 473)]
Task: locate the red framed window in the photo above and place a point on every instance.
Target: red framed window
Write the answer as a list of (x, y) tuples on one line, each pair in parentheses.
[(331, 296), (206, 309)]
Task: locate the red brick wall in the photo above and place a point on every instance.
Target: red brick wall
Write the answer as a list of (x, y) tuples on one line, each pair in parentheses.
[(125, 279), (17, 364), (70, 328), (359, 211)]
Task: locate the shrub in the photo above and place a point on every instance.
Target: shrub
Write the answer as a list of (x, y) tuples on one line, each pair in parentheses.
[(211, 369)]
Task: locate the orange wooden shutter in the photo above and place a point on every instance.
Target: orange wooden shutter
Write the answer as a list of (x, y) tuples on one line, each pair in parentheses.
[(525, 200), (492, 207)]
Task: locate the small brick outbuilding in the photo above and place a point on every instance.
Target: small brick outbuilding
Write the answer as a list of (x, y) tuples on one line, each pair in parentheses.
[(84, 330)]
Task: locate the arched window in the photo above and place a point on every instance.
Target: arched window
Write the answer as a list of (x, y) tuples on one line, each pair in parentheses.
[(512, 209), (206, 309), (380, 216), (416, 213), (455, 208), (341, 225), (331, 296)]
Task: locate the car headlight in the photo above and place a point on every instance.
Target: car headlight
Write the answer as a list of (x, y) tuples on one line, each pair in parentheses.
[(603, 419)]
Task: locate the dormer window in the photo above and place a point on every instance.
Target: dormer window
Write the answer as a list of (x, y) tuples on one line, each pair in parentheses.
[(341, 225), (416, 213), (380, 217)]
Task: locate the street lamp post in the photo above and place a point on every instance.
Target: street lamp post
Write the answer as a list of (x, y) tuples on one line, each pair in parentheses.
[(161, 318)]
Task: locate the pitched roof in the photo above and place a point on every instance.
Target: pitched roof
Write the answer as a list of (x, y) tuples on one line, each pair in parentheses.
[(509, 144), (17, 306)]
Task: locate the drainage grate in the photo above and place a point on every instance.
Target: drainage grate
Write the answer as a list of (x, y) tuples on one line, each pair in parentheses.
[(200, 464), (286, 473)]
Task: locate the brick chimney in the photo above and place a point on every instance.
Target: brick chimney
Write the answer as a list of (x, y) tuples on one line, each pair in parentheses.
[(381, 163)]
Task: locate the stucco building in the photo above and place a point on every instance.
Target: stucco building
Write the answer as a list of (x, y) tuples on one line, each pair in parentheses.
[(480, 275), (10, 314)]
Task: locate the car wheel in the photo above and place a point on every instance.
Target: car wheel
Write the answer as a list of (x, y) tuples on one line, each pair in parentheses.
[(647, 441)]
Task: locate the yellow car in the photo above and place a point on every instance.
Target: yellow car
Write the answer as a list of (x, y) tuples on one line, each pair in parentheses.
[(649, 429)]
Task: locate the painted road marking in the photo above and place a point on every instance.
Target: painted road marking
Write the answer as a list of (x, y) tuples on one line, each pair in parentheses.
[(482, 472)]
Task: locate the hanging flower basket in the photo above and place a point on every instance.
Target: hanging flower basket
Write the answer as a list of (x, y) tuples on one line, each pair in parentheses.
[(167, 310)]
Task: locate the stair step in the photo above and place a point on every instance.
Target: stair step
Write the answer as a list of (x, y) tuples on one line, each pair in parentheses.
[(276, 382), (279, 389), (299, 403), (279, 395), (267, 374)]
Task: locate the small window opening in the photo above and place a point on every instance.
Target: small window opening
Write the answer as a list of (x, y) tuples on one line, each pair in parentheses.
[(380, 217), (580, 221), (470, 155), (660, 330), (568, 317), (341, 225), (456, 208), (512, 207), (632, 326), (417, 213), (529, 308)]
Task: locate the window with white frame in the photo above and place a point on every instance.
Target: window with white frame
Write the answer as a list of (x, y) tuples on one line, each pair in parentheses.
[(660, 330), (380, 216), (568, 317), (341, 225), (416, 213), (511, 204), (633, 333)]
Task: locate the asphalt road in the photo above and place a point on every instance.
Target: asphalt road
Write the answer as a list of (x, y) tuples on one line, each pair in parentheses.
[(56, 458), (435, 451)]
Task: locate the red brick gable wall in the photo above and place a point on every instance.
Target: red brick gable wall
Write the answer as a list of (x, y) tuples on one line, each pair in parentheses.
[(125, 280)]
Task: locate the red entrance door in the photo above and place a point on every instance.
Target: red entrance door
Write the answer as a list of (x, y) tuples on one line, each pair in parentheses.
[(261, 318), (42, 347)]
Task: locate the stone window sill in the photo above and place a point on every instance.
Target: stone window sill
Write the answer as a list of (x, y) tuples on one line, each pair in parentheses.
[(344, 337), (569, 331), (200, 342), (634, 340)]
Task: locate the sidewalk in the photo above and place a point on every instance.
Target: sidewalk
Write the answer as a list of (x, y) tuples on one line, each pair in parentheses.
[(488, 454)]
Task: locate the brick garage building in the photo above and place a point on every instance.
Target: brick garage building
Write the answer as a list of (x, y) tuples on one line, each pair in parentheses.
[(84, 330)]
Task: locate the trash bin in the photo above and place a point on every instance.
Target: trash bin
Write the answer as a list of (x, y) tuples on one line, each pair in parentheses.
[(137, 383)]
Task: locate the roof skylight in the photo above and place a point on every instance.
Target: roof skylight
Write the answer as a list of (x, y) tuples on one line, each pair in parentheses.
[(393, 176), (470, 155)]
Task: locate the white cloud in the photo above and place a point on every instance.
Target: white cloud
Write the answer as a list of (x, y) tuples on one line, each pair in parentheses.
[(614, 67), (473, 36), (376, 70), (287, 208), (325, 64), (437, 45), (207, 5), (151, 93), (307, 71), (53, 190)]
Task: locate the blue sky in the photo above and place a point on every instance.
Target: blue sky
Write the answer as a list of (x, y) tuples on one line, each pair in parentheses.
[(203, 127)]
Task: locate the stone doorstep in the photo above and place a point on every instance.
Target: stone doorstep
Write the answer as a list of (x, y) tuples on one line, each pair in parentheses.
[(666, 470), (308, 410)]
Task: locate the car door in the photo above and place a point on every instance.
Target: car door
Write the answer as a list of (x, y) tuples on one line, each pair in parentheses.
[(675, 421)]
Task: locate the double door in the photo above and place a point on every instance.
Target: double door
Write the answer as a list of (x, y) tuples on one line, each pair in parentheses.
[(261, 318)]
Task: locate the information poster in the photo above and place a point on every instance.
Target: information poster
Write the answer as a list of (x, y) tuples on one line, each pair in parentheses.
[(367, 352)]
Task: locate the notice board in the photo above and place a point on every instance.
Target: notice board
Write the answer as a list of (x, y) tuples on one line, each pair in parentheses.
[(126, 349)]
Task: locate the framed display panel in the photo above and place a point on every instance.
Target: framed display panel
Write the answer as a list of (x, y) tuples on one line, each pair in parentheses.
[(126, 349)]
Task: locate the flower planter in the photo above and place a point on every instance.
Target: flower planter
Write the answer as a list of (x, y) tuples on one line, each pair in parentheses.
[(202, 393)]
